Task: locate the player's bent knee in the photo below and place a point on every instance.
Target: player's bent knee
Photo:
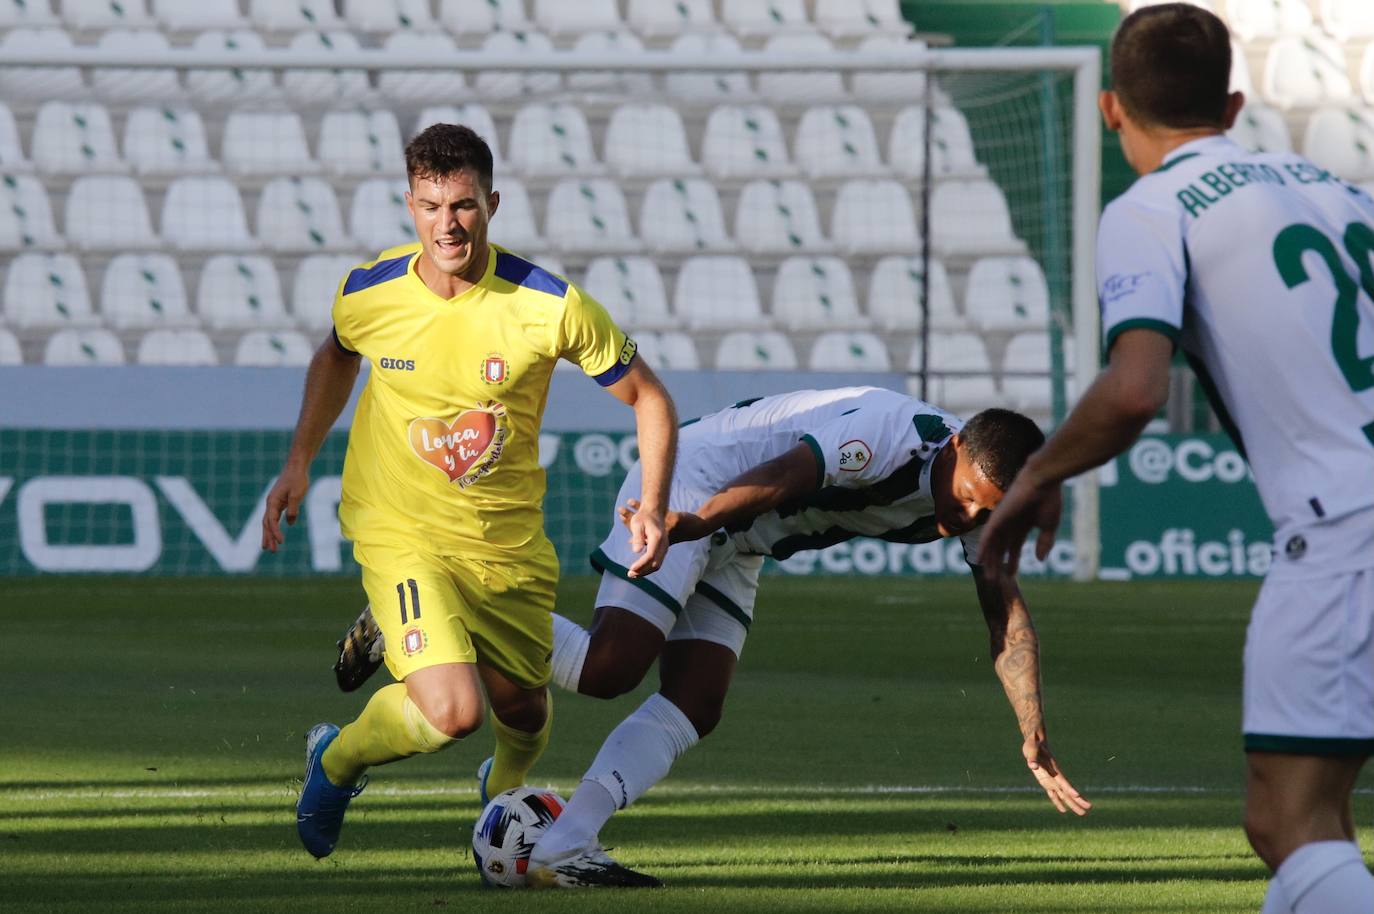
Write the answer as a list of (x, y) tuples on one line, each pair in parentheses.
[(609, 679)]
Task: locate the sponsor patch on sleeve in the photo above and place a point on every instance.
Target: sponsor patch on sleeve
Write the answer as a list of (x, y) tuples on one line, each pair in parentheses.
[(854, 456)]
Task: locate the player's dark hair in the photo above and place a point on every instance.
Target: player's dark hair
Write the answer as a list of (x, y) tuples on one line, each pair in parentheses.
[(443, 150), (998, 441), (1171, 66)]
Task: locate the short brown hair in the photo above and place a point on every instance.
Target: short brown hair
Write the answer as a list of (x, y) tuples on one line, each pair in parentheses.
[(443, 150), (1171, 66), (998, 441)]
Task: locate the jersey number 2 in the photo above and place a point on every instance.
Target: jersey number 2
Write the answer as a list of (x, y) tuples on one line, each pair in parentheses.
[(1298, 239)]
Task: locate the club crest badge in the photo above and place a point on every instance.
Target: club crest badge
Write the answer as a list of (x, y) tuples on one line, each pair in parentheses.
[(494, 369), (414, 641)]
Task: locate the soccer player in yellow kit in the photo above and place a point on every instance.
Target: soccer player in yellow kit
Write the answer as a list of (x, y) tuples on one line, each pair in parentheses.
[(442, 487)]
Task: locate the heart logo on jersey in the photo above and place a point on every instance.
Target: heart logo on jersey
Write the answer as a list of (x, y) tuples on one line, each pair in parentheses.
[(457, 447)]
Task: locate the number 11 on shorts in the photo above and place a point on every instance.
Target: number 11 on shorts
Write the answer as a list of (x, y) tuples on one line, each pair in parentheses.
[(414, 599)]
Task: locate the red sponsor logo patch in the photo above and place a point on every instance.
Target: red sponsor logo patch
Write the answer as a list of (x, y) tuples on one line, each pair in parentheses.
[(464, 449)]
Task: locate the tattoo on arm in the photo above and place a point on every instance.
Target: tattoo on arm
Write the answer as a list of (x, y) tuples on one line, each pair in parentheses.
[(1018, 666)]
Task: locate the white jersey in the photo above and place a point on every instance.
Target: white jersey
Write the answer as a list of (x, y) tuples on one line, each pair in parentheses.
[(1261, 267), (874, 450)]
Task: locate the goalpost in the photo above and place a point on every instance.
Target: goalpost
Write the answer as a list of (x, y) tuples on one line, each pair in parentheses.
[(1030, 114)]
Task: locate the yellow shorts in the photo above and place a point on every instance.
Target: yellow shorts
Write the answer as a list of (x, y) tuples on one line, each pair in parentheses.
[(436, 609)]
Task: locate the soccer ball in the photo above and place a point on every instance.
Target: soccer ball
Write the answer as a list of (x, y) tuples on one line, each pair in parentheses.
[(507, 831)]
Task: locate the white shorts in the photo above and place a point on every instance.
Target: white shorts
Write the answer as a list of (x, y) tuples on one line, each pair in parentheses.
[(1309, 666), (703, 592)]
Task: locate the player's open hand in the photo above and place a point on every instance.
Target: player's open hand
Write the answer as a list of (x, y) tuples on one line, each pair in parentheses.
[(1025, 506), (286, 495), (1040, 760), (681, 526), (648, 536)]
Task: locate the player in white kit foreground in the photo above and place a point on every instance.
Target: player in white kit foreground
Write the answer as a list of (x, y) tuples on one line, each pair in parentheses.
[(1261, 268), (774, 476)]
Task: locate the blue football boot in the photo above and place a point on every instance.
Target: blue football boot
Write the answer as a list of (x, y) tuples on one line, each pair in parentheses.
[(321, 808)]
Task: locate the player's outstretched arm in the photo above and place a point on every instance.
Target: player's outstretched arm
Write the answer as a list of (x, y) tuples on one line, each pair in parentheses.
[(1016, 658), (755, 491), (1113, 412), (656, 426), (328, 384)]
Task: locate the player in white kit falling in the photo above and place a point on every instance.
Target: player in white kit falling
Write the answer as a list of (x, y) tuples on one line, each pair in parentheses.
[(1261, 268)]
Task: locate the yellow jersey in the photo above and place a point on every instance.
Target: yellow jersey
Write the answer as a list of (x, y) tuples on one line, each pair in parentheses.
[(443, 455)]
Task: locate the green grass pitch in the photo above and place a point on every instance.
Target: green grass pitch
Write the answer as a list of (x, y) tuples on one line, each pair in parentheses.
[(151, 743)]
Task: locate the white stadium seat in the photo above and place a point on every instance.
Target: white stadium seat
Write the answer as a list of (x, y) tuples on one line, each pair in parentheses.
[(618, 83), (205, 214), (512, 85), (745, 141), (1304, 71), (142, 291), (816, 293), (631, 289), (12, 159), (400, 16), (707, 87), (763, 18), (239, 86), (895, 86), (778, 217), (39, 83), (1261, 129), (970, 217), (1367, 73), (98, 15), (1240, 71), (717, 292), (379, 217), (755, 350), (559, 17), (669, 18), (960, 377), (668, 351), (682, 215), (10, 353), (25, 214), (1006, 294), (483, 17), (108, 213), (273, 348), (127, 84), (26, 14), (1341, 140), (551, 139), (854, 351), (951, 143), (75, 138), (894, 295), (513, 225), (470, 115), (589, 214), (300, 214), (1253, 19), (70, 347), (266, 143), (1026, 381), (648, 140), (240, 293), (1348, 21), (167, 141), (874, 217), (180, 16), (182, 348), (326, 87), (837, 141), (860, 18), (296, 16), (412, 86), (47, 290), (361, 143), (804, 86), (317, 281)]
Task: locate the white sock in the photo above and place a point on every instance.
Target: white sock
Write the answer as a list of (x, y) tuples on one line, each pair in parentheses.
[(636, 756), (570, 642), (1275, 902), (1327, 877)]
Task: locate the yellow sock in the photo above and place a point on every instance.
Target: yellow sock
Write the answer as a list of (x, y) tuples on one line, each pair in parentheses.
[(516, 753), (391, 727)]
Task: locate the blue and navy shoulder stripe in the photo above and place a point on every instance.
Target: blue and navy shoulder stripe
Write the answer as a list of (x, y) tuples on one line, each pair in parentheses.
[(380, 272), (520, 272)]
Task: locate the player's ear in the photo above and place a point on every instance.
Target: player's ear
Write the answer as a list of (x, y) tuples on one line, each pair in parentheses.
[(1110, 106), (493, 201), (1234, 102)]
